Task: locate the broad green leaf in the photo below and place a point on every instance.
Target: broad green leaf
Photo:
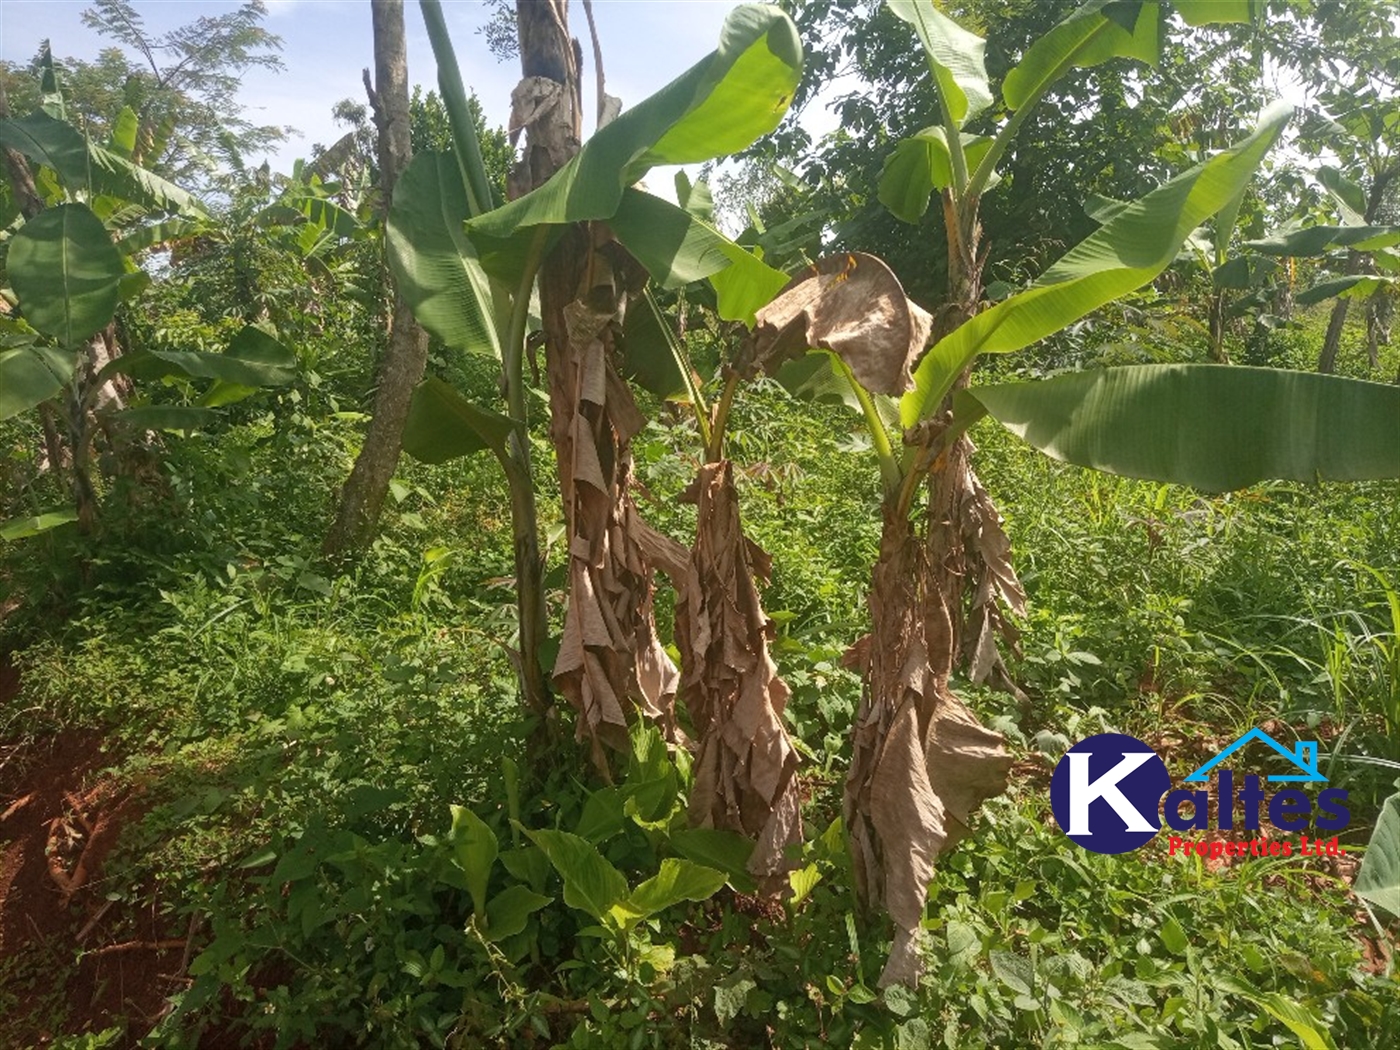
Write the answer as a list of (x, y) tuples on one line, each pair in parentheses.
[(115, 174), (528, 864), (51, 142), (695, 197), (731, 995), (1354, 286), (85, 167), (1093, 33), (1351, 196), (180, 418), (1318, 240), (466, 148), (252, 361), (65, 272), (30, 375), (1173, 936), (23, 528), (677, 248), (1243, 272), (132, 284), (508, 911), (591, 884), (815, 377), (803, 881), (922, 164), (1312, 1034), (1378, 881), (719, 106), (1215, 427), (678, 880), (1213, 12), (329, 216), (123, 140), (1132, 248), (158, 233), (956, 57), (1015, 971), (435, 266), (474, 849), (651, 353), (602, 815), (443, 425), (726, 851)]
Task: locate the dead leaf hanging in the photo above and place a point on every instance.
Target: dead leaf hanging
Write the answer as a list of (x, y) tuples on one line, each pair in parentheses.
[(853, 305), (922, 763), (746, 767), (610, 658)]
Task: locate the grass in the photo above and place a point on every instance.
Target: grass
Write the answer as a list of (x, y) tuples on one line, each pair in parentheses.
[(301, 729)]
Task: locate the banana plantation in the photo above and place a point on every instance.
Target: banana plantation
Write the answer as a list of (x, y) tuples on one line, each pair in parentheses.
[(890, 540)]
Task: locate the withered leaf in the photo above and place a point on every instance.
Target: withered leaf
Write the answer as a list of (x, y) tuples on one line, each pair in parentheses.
[(853, 305), (746, 767)]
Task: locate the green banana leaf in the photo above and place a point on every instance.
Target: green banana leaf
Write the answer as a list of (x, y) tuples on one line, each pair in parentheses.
[(815, 377), (85, 167), (65, 272), (651, 354), (435, 266), (720, 105), (1348, 193), (23, 528), (1128, 251), (1318, 240), (956, 57), (159, 233), (1213, 12), (1215, 427), (465, 145), (30, 375), (1378, 881), (921, 164), (123, 138), (1354, 286), (1091, 34), (677, 248), (444, 425), (254, 359), (263, 362)]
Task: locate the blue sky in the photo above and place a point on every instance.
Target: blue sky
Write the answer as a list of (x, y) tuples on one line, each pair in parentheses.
[(325, 44)]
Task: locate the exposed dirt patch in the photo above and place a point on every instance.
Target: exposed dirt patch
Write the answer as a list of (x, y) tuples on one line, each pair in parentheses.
[(59, 818)]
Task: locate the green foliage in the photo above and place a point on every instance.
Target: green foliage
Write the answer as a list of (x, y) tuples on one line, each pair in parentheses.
[(1241, 425), (65, 272), (1379, 879)]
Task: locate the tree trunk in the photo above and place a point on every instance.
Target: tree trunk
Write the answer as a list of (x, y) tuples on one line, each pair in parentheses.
[(609, 658), (1332, 341), (1357, 262), (401, 368)]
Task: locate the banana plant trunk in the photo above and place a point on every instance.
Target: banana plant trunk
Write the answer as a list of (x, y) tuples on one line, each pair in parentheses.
[(1357, 262), (406, 356), (610, 658), (922, 762)]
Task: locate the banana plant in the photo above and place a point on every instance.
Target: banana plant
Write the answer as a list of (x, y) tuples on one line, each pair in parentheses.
[(470, 276), (922, 762), (69, 266)]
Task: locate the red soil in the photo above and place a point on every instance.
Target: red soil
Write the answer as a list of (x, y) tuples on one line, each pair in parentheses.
[(58, 821)]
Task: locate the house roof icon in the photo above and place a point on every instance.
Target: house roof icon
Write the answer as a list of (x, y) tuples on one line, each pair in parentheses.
[(1303, 756)]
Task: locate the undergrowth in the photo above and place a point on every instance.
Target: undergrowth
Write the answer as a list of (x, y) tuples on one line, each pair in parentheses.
[(300, 731)]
